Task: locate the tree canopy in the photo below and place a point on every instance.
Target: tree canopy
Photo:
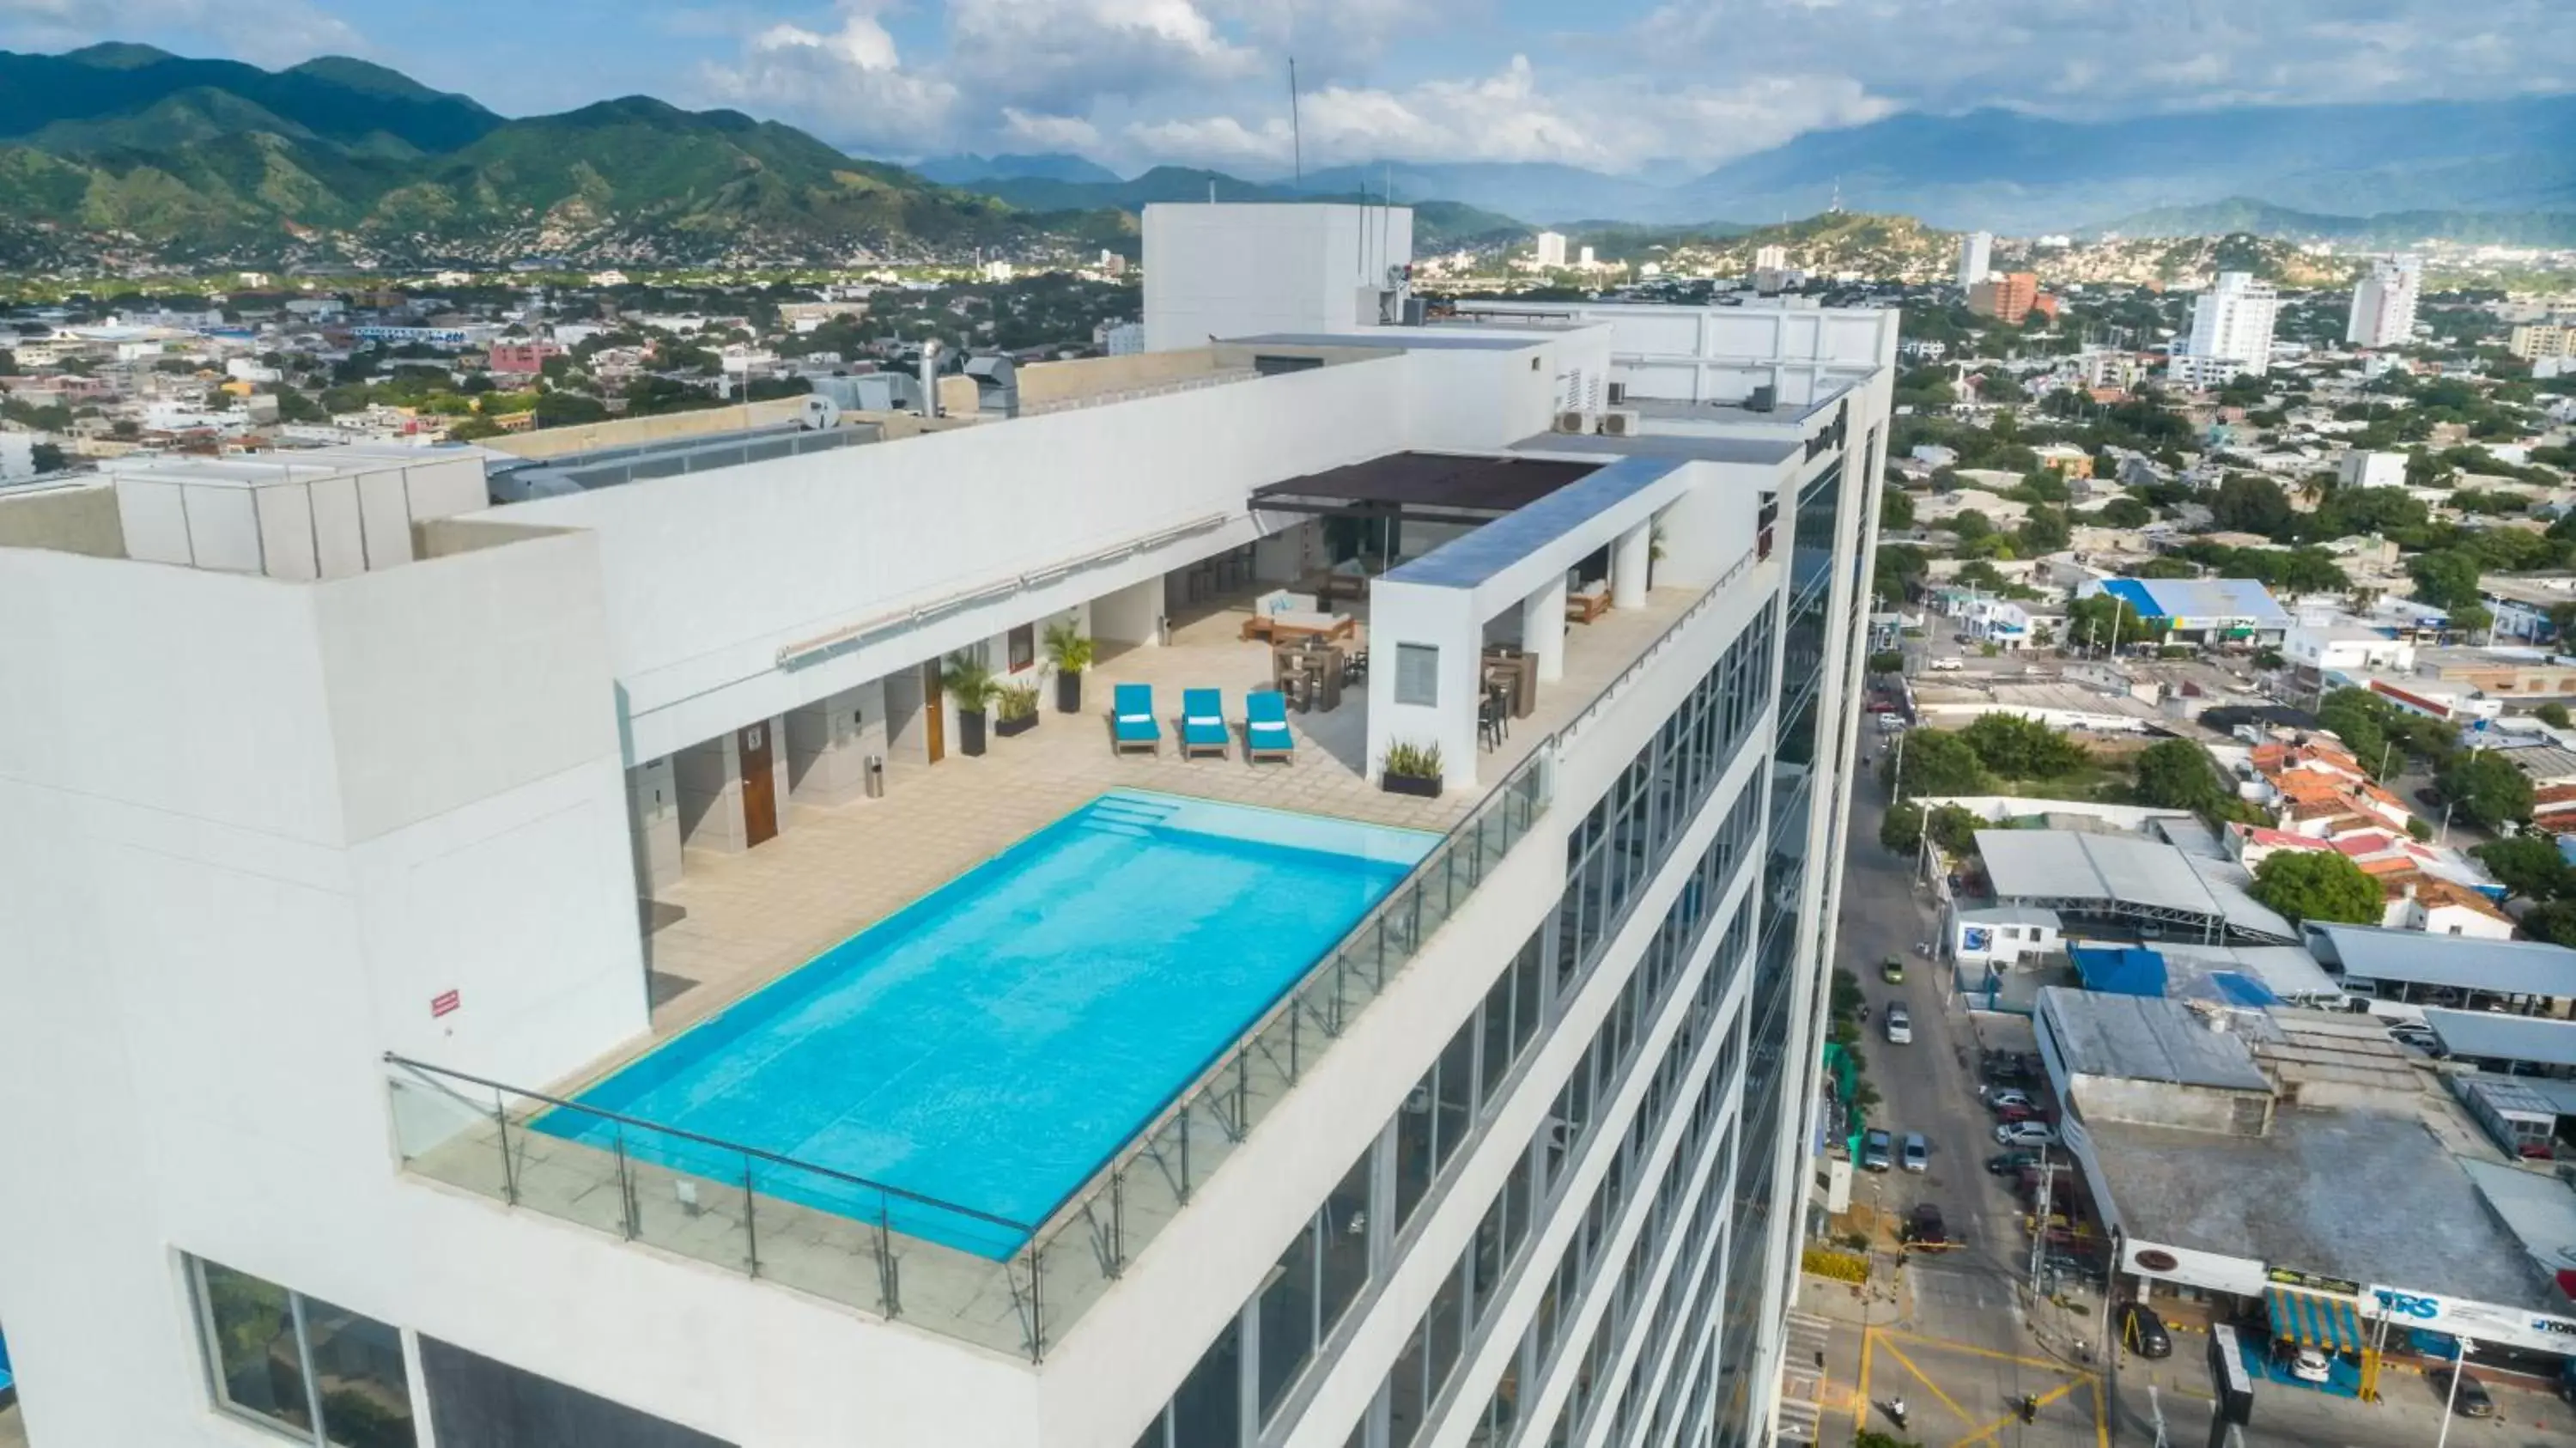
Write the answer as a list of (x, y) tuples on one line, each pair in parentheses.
[(2251, 503), (2318, 885), (2018, 747), (2485, 788), (1935, 762), (2178, 774)]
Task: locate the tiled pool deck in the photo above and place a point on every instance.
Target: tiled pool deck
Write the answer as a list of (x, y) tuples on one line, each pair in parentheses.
[(832, 872)]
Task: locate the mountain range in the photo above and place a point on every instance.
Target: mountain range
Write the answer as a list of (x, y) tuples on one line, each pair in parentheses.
[(336, 160), (126, 153)]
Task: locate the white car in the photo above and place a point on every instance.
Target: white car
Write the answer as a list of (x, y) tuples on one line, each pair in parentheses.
[(2025, 1133), (2309, 1366), (1900, 1026), (1947, 666)]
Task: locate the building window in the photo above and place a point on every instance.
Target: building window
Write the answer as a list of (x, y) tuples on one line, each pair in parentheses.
[(322, 1374), (1417, 674), (1023, 646)]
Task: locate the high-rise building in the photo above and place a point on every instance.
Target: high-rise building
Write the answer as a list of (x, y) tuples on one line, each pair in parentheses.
[(2231, 332), (1771, 258), (1551, 249), (2006, 297), (2535, 340), (2383, 302), (1976, 258), (973, 1069)]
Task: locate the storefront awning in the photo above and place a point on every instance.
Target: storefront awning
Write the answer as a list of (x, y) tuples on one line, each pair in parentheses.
[(2312, 1321)]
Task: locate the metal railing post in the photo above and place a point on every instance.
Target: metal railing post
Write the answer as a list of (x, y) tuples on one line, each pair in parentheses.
[(630, 1210), (889, 1279), (750, 1220), (509, 1168)]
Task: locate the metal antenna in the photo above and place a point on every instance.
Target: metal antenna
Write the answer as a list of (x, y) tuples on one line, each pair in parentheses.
[(1296, 133)]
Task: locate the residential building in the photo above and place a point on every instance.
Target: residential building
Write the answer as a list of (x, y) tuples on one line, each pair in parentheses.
[(2522, 603), (2108, 368), (2383, 302), (2359, 469), (2231, 331), (2536, 340), (1771, 258), (2317, 652), (2065, 460), (1551, 248), (1584, 259), (1123, 339), (2007, 297), (372, 1096), (522, 359), (1976, 258)]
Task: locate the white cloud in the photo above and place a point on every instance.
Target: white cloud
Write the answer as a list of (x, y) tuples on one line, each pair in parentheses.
[(1064, 55), (1049, 133), (263, 32), (1511, 116), (2097, 57), (849, 83)]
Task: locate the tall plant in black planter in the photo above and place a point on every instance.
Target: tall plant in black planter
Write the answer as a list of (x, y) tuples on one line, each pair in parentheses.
[(1070, 653), (970, 685), (1411, 769)]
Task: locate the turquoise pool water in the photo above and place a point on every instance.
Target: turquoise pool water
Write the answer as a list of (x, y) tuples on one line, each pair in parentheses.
[(992, 1044)]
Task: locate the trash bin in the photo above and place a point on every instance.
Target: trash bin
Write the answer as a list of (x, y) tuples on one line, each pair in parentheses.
[(876, 777)]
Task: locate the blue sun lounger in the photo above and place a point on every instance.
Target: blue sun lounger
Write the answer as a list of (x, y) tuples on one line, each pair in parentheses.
[(1202, 722), (1131, 719), (1265, 726)]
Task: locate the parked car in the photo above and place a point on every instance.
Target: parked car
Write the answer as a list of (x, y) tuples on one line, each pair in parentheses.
[(1900, 1026), (1916, 1154), (2309, 1365), (2143, 1331), (1947, 665), (1892, 970), (2471, 1401), (2007, 1097), (1874, 1150), (2026, 1133), (2015, 1111), (1925, 1231), (2009, 1162)]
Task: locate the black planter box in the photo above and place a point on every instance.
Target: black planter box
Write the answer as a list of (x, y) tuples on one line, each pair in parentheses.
[(1068, 693), (1413, 785), (1022, 725), (970, 735)]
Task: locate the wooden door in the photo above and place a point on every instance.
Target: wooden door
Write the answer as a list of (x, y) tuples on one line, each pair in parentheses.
[(759, 784), (934, 713)]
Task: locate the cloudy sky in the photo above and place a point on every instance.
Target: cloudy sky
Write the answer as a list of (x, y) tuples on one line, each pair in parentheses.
[(1616, 85)]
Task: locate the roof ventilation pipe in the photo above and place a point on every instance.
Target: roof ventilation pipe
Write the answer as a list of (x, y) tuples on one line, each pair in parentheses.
[(929, 378)]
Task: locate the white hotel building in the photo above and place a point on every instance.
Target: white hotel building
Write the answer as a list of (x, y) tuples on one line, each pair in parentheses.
[(354, 831)]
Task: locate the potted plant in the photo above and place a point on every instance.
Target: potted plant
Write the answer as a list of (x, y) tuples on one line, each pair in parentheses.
[(1015, 709), (1411, 769), (1069, 653), (968, 681)]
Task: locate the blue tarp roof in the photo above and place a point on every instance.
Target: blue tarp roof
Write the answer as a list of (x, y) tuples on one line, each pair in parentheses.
[(2119, 970), (2242, 990)]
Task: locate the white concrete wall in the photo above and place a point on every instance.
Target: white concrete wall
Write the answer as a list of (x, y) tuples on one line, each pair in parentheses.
[(709, 575), (1242, 269)]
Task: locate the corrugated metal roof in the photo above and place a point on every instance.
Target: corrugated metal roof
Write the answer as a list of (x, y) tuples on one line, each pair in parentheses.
[(2146, 1038), (2462, 962), (2199, 598), (2122, 870), (2495, 1035)]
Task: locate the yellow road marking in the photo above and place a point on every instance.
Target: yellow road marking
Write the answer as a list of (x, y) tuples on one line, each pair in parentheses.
[(1860, 1409), (1926, 1378), (2007, 1420), (2101, 1417), (2052, 1364)]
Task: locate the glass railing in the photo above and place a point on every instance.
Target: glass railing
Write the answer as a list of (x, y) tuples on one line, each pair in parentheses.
[(1012, 1286), (1655, 650)]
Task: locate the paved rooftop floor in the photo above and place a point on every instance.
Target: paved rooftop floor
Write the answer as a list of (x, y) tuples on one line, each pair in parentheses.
[(742, 920)]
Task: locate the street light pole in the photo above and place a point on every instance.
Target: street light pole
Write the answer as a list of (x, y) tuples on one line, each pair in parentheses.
[(2459, 1365)]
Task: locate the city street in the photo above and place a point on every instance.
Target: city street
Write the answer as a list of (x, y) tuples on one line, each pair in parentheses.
[(1950, 1334)]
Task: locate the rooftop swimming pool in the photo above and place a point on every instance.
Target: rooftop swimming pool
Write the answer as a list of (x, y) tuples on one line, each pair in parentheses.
[(991, 1045)]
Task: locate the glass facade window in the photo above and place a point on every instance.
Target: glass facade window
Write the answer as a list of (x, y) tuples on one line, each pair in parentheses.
[(1208, 1410), (320, 1373)]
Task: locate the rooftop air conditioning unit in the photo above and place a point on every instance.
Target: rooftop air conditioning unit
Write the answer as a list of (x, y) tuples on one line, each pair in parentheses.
[(1574, 419), (1763, 399), (1619, 422)]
